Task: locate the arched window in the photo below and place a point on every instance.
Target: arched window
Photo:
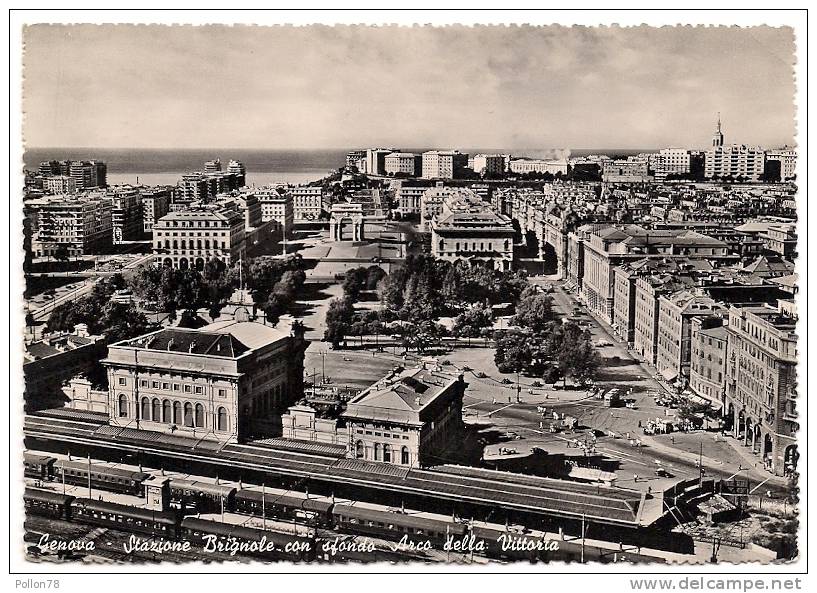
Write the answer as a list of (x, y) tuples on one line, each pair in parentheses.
[(387, 453), (123, 405), (145, 408), (167, 243), (157, 410), (360, 450), (188, 415), (167, 414), (199, 415), (404, 456), (207, 243), (175, 244), (177, 413), (184, 244), (377, 451), (222, 424)]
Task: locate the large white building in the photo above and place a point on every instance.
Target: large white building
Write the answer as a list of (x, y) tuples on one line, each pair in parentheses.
[(307, 202), (408, 418), (222, 382), (190, 238), (670, 161), (277, 207), (787, 158), (736, 160), (155, 204), (77, 224), (60, 184), (490, 164), (470, 230), (405, 163), (443, 164), (521, 166)]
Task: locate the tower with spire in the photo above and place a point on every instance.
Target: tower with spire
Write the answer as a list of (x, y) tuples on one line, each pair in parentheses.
[(717, 137)]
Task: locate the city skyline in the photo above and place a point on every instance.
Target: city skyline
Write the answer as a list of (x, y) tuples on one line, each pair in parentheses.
[(405, 87)]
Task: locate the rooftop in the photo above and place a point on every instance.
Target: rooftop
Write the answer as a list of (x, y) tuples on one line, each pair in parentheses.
[(400, 396), (226, 339)]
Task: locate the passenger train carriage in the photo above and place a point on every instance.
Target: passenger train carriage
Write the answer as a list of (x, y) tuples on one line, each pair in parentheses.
[(393, 525), (103, 477), (37, 466), (47, 503), (194, 496), (310, 511), (125, 517)]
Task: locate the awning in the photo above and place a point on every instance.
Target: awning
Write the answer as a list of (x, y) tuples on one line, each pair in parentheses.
[(669, 374)]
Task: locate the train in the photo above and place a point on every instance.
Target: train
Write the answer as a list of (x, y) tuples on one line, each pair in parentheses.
[(215, 536), (190, 497), (46, 469)]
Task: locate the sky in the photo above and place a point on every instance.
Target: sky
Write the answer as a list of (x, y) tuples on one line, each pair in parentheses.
[(350, 87)]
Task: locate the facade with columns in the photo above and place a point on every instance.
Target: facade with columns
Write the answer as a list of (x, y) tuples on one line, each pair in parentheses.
[(408, 418), (761, 383), (222, 382)]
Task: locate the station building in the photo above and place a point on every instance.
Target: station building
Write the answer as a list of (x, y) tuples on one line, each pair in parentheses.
[(222, 382), (410, 417)]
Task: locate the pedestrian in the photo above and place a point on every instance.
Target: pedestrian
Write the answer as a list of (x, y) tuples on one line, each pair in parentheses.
[(639, 424)]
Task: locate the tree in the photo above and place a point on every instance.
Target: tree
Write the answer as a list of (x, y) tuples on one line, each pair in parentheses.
[(534, 311), (274, 307), (513, 352), (472, 322), (339, 318), (578, 357), (190, 319), (374, 274)]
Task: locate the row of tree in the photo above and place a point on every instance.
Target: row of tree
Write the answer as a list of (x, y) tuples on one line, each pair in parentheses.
[(272, 282), (426, 288), (359, 279), (115, 321), (543, 346)]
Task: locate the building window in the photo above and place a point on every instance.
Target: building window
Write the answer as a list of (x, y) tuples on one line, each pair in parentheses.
[(187, 389), (145, 408), (167, 412), (123, 406), (199, 415), (404, 455), (222, 393), (123, 381), (199, 390), (188, 415), (177, 413), (377, 451), (157, 410), (221, 420), (387, 453)]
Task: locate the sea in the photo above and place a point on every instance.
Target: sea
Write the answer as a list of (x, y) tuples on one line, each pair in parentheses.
[(160, 166)]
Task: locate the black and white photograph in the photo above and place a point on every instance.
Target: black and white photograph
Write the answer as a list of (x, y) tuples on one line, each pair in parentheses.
[(371, 295)]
